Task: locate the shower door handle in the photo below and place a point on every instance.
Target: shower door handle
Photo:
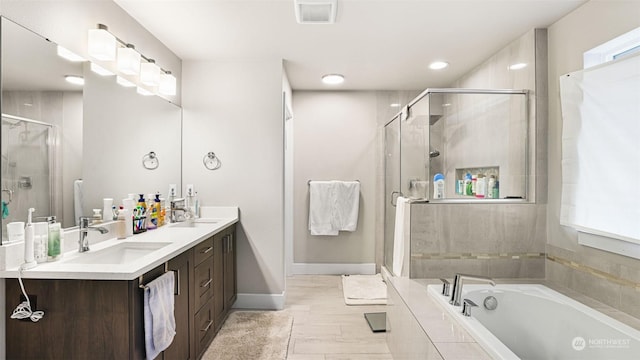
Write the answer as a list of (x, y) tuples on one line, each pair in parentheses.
[(393, 199)]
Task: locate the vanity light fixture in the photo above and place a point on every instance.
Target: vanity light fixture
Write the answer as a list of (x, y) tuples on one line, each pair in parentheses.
[(124, 82), (69, 55), (74, 79), (100, 70), (105, 46), (517, 66), (167, 84), (438, 65), (102, 44), (150, 73), (333, 79)]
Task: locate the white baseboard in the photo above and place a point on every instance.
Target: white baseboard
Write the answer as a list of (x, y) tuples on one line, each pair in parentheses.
[(260, 301), (333, 269)]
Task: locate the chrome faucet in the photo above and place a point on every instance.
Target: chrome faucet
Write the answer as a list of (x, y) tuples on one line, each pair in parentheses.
[(83, 242), (456, 293)]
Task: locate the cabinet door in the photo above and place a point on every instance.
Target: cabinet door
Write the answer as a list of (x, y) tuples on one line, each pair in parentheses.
[(230, 284), (180, 348)]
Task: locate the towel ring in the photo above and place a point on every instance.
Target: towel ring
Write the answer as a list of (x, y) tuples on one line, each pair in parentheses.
[(150, 161), (211, 161)]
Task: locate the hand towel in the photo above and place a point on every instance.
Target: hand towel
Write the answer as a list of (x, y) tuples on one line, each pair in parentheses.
[(346, 205), (321, 204), (400, 236), (159, 319)]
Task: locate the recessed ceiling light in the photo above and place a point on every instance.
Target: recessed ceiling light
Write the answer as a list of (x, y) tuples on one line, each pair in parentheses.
[(333, 79), (395, 105), (438, 65), (74, 79), (66, 54), (518, 66)]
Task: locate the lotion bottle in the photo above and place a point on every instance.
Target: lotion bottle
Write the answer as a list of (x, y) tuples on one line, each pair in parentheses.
[(29, 260)]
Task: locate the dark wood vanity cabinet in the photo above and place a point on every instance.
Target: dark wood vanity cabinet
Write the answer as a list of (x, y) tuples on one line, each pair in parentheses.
[(104, 319)]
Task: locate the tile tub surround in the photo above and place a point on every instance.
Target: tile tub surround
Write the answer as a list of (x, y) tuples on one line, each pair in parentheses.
[(448, 337)]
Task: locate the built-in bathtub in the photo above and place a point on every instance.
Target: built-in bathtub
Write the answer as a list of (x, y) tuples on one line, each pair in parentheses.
[(534, 322)]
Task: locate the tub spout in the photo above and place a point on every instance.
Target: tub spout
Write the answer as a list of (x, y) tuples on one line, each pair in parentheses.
[(456, 292)]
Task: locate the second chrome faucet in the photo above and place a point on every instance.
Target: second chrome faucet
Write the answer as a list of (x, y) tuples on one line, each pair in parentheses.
[(456, 292)]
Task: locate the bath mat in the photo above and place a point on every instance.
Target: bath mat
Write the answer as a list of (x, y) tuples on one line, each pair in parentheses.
[(364, 290), (256, 335)]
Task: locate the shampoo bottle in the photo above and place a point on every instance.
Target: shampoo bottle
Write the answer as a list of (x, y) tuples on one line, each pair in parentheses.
[(438, 186), (54, 250)]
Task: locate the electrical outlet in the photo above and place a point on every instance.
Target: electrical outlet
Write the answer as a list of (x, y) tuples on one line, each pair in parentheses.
[(190, 190), (173, 190)]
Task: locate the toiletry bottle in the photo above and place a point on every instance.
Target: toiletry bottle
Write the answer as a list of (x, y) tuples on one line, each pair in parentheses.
[(121, 224), (142, 204), (496, 190), (491, 184), (40, 241), (97, 216), (195, 206), (54, 250), (481, 186), (438, 186), (152, 223), (474, 181), (29, 261), (158, 210), (163, 212), (467, 185)]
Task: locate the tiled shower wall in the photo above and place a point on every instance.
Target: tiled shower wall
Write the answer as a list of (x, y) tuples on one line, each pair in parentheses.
[(498, 240)]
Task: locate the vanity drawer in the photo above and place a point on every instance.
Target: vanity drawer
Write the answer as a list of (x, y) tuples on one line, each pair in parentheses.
[(205, 327), (203, 277), (203, 251)]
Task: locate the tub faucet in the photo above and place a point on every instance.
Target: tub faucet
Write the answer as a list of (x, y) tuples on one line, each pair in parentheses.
[(83, 242), (456, 292)]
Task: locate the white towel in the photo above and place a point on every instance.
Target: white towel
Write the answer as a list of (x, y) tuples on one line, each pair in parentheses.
[(159, 319), (403, 213), (346, 205), (78, 209), (321, 205)]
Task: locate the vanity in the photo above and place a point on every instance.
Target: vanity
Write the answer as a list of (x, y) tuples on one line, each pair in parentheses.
[(93, 301)]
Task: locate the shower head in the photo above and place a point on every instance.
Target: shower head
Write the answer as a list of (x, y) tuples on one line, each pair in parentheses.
[(434, 153)]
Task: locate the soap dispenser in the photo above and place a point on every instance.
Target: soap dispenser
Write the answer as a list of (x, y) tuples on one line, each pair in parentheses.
[(29, 259)]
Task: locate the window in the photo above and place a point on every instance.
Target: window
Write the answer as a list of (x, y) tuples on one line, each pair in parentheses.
[(617, 48)]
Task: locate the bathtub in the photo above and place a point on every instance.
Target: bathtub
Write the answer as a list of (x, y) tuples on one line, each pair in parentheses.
[(534, 322)]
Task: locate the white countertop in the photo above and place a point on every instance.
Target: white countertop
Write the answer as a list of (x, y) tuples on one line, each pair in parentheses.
[(178, 238)]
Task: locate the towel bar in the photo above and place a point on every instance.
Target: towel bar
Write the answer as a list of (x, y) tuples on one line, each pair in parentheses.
[(309, 182), (176, 290)]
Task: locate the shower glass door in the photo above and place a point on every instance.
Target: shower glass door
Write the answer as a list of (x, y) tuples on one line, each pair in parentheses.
[(391, 184), (26, 169)]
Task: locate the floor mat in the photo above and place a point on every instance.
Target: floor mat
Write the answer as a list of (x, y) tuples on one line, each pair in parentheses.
[(364, 290), (255, 335)]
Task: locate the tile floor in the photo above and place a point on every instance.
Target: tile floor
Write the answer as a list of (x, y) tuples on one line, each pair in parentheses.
[(324, 328)]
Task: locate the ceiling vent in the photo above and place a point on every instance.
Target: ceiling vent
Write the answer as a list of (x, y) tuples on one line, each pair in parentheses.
[(316, 11)]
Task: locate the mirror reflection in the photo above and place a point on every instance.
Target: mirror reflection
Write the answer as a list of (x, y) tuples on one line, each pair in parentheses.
[(56, 134)]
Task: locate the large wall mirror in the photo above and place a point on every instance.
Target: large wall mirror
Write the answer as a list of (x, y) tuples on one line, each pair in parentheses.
[(65, 146)]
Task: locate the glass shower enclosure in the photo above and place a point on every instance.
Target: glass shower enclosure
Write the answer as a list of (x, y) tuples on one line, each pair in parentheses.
[(474, 141), (28, 163)]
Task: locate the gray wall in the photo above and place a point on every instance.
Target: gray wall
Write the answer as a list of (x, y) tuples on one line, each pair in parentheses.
[(610, 278), (235, 109), (498, 240)]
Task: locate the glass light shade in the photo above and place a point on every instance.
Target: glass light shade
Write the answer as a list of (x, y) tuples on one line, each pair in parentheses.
[(69, 55), (124, 82), (128, 61), (100, 70), (333, 79), (144, 92), (438, 65), (167, 84), (102, 45), (150, 74)]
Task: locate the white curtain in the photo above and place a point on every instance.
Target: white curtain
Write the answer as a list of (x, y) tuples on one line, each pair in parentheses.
[(601, 149)]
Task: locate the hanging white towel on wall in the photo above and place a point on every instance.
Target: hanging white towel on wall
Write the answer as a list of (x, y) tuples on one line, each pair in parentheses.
[(401, 236), (333, 206)]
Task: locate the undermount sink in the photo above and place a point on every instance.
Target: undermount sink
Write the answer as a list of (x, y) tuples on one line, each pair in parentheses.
[(118, 254)]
